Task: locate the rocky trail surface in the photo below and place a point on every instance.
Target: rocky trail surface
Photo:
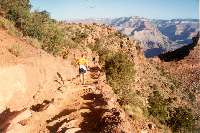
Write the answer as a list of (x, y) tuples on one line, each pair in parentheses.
[(42, 94), (73, 108)]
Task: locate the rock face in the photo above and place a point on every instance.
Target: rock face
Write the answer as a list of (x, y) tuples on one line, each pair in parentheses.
[(167, 34), (143, 30), (180, 31)]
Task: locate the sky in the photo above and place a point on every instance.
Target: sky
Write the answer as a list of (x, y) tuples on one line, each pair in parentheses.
[(153, 9)]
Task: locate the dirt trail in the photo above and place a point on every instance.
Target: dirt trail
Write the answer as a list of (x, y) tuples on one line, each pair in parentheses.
[(48, 96), (75, 108)]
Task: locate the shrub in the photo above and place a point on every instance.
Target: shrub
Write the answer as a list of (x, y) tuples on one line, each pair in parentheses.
[(38, 25), (120, 75), (119, 71), (104, 55), (16, 10), (76, 33), (53, 39), (5, 24), (158, 106), (79, 37), (15, 50), (103, 52), (34, 25), (97, 46), (133, 104), (181, 119), (70, 43), (9, 26)]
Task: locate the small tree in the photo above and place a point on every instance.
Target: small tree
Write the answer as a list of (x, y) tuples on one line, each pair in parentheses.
[(16, 10), (120, 73), (53, 39)]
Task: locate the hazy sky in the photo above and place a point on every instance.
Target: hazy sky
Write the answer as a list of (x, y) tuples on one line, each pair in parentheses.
[(163, 9)]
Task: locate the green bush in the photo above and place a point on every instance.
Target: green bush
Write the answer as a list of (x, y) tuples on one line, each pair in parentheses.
[(41, 27), (53, 39), (158, 106), (79, 36), (16, 10), (76, 33), (6, 24), (181, 119), (9, 26), (134, 105), (119, 74), (70, 43), (38, 25), (119, 71), (96, 47), (34, 25)]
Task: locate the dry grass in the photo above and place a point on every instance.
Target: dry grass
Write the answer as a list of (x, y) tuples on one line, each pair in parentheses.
[(34, 42), (9, 26)]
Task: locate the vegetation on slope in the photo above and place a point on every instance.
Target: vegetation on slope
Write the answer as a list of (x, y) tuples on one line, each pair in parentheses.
[(9, 26), (178, 118), (120, 75), (37, 24)]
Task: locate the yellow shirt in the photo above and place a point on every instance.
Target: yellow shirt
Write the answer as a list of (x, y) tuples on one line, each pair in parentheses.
[(82, 61)]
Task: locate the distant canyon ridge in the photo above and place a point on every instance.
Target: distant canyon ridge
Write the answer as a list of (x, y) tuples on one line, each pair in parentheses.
[(156, 35)]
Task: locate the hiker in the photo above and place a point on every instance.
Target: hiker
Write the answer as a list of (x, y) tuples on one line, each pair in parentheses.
[(83, 67)]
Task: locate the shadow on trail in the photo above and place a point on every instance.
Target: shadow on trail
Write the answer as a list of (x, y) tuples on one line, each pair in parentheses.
[(5, 117), (97, 119), (93, 120), (42, 106), (54, 128), (61, 114)]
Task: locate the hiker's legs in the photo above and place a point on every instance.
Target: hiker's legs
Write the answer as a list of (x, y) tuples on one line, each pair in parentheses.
[(82, 77)]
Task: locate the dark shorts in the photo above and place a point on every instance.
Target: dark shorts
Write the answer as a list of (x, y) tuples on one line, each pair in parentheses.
[(82, 71)]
